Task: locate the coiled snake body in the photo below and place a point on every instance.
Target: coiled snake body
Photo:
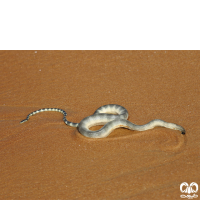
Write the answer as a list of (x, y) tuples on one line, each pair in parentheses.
[(112, 116)]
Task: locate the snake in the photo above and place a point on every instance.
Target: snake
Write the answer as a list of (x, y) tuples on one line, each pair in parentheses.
[(112, 116)]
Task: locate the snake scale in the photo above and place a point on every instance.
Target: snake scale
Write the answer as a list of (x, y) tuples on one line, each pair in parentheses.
[(112, 116)]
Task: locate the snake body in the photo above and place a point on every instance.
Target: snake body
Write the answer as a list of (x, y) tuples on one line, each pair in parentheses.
[(112, 116)]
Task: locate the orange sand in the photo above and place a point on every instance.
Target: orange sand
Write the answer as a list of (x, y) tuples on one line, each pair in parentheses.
[(45, 159)]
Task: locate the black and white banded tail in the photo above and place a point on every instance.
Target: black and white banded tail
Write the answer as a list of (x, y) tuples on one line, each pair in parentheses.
[(51, 109)]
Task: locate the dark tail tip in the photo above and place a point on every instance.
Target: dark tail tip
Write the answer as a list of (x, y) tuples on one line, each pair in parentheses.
[(183, 132)]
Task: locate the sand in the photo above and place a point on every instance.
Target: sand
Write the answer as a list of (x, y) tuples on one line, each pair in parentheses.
[(45, 159)]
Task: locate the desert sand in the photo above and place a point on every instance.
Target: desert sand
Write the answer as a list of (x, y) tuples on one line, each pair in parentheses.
[(46, 159)]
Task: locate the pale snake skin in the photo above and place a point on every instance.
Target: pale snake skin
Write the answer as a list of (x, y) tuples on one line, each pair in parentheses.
[(116, 118)]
